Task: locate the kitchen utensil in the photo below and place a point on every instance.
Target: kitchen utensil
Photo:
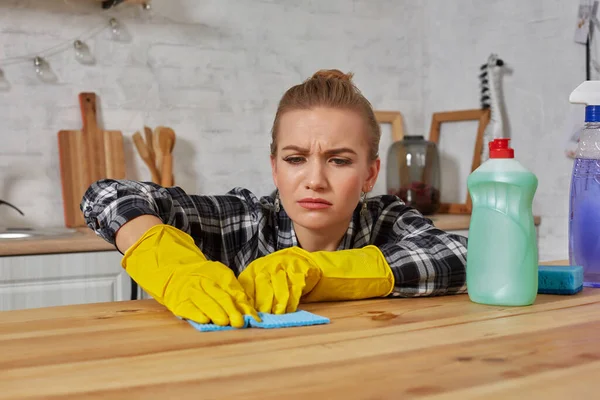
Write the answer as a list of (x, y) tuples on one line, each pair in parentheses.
[(144, 152), (73, 173), (92, 137), (492, 98), (156, 148), (85, 156), (166, 143), (75, 178), (114, 156), (150, 143)]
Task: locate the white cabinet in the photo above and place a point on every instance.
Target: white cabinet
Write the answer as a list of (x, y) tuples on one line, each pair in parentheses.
[(33, 281)]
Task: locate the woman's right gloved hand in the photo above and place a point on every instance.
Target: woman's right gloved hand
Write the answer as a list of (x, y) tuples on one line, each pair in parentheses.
[(168, 265)]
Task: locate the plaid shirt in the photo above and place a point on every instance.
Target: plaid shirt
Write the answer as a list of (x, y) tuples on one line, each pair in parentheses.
[(237, 228)]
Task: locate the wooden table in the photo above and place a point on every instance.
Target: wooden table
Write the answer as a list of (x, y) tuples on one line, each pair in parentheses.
[(438, 348)]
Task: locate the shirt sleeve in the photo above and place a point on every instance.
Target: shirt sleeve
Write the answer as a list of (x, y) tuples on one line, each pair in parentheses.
[(425, 260), (219, 225)]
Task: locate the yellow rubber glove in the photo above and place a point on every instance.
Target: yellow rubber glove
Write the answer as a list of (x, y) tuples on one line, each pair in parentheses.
[(168, 265), (278, 282)]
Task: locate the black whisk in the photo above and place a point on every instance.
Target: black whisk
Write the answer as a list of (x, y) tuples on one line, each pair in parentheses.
[(484, 81)]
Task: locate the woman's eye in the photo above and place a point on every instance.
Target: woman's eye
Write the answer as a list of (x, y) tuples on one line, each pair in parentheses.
[(294, 160), (341, 161)]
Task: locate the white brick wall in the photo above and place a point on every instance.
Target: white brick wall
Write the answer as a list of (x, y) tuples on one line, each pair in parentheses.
[(536, 41), (214, 71)]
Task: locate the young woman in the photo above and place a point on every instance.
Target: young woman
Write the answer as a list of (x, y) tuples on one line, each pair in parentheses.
[(319, 238)]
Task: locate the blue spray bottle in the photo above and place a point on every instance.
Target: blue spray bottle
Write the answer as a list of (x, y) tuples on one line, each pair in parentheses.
[(584, 207)]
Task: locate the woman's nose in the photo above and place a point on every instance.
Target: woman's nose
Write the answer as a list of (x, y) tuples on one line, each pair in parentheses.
[(316, 177)]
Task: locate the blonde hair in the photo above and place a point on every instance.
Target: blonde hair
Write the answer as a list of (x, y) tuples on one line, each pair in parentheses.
[(329, 88)]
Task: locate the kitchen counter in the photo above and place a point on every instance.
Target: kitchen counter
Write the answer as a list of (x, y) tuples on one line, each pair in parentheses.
[(83, 240), (440, 347), (86, 240)]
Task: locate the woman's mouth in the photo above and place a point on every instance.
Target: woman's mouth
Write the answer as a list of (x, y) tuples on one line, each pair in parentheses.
[(314, 203)]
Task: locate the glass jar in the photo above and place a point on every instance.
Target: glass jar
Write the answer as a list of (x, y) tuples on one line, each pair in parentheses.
[(413, 173)]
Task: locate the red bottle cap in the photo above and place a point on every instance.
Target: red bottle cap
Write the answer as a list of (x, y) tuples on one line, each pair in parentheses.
[(499, 149)]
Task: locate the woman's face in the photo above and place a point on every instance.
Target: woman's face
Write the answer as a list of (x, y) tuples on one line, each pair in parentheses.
[(322, 166)]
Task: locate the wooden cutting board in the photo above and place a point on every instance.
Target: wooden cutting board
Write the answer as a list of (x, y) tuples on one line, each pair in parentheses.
[(73, 175), (114, 158), (92, 137), (87, 155)]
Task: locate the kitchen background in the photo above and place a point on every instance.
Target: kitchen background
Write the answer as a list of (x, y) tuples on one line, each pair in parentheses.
[(214, 70)]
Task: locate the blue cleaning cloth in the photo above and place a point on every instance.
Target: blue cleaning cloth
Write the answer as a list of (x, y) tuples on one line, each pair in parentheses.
[(269, 321), (563, 279)]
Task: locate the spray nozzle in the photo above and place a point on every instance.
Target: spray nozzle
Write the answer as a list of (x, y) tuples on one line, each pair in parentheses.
[(587, 93)]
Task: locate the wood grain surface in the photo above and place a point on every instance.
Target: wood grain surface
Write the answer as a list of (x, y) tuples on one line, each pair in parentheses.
[(114, 155), (92, 137), (83, 240), (435, 348), (73, 172)]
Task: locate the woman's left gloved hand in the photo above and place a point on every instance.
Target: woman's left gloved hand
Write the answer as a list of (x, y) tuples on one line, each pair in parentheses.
[(278, 282)]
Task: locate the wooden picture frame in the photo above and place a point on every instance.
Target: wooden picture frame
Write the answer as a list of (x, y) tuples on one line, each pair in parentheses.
[(395, 119), (481, 115)]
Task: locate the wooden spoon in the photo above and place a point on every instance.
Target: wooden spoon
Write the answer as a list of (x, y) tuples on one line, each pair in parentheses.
[(166, 142), (150, 143), (156, 148), (142, 149)]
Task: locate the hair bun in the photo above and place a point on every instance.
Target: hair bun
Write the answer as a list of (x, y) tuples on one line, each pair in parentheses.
[(332, 74)]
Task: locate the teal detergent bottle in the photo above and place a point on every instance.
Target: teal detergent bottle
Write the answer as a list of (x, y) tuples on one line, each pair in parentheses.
[(502, 253)]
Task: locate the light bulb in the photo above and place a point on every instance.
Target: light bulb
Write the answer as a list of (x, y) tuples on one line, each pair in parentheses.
[(43, 70), (82, 53), (115, 28), (40, 64), (146, 12), (118, 31)]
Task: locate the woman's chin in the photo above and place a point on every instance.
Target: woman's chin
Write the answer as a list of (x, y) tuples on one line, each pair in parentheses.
[(313, 220)]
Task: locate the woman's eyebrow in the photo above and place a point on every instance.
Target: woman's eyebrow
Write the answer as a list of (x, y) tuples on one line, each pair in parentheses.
[(296, 148), (328, 152), (340, 151)]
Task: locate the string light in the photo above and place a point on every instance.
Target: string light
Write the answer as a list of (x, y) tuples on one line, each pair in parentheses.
[(115, 28), (43, 70), (82, 52)]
